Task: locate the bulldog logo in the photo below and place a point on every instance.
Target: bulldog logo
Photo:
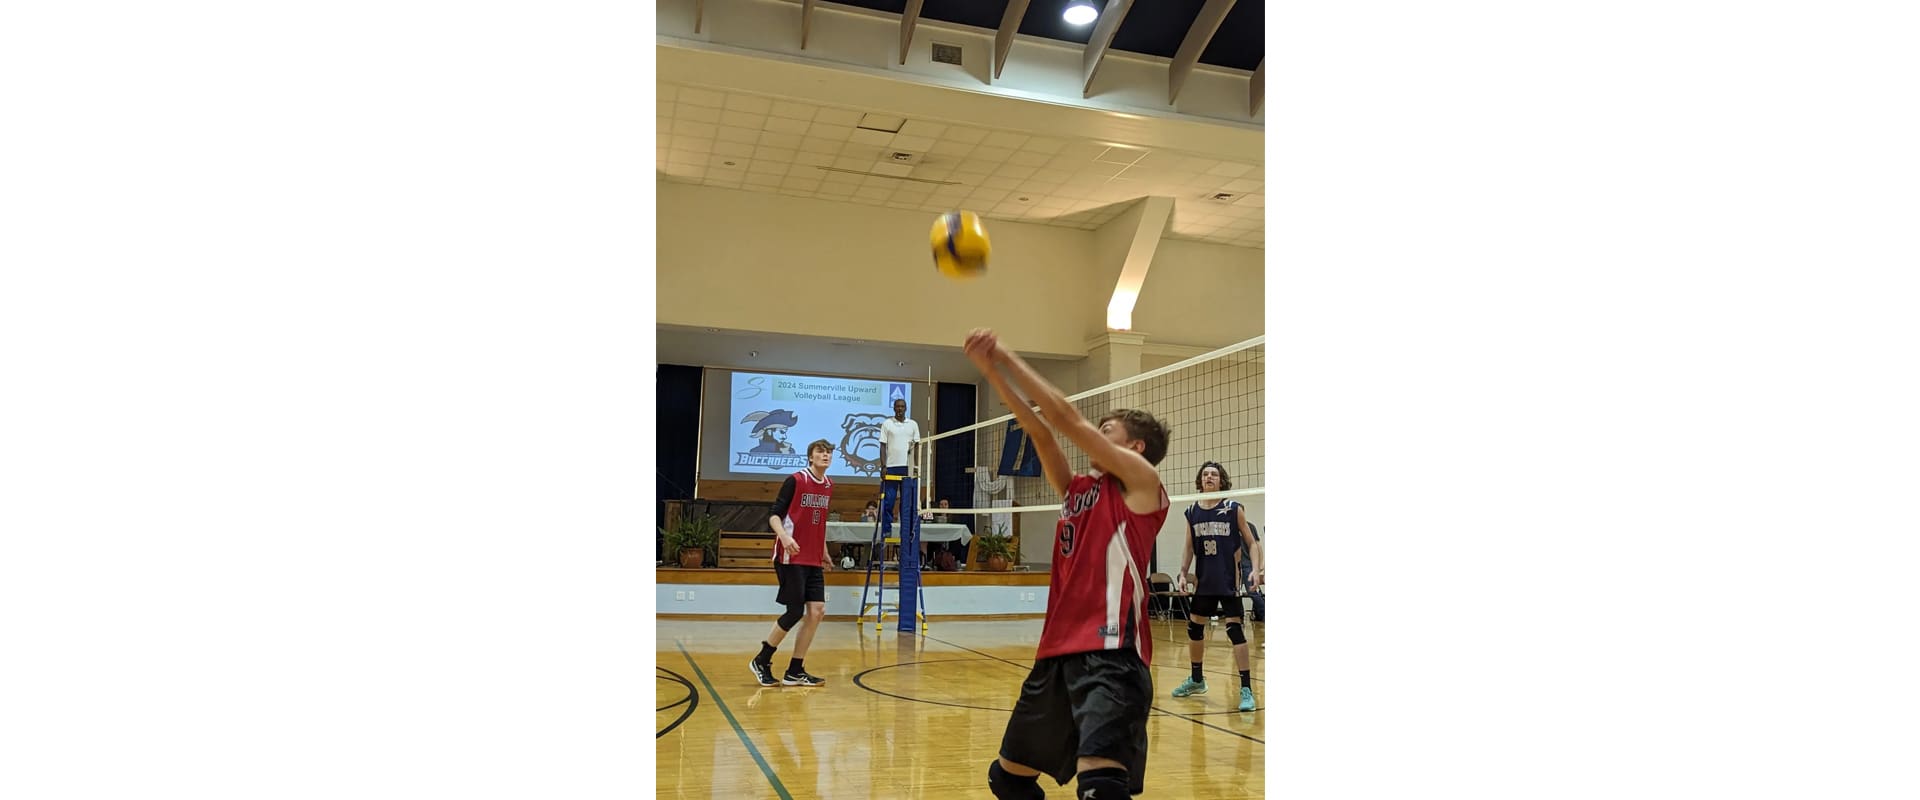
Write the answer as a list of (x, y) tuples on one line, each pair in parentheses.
[(860, 443)]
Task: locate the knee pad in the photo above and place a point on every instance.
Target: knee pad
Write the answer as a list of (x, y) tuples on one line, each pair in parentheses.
[(1235, 634), (1008, 786), (1102, 783), (792, 617), (1196, 631)]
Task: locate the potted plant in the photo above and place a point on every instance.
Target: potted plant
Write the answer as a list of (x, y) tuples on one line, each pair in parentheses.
[(694, 538), (998, 550)]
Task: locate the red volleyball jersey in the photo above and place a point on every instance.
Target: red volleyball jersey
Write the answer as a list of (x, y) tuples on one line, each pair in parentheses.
[(806, 519), (1097, 598)]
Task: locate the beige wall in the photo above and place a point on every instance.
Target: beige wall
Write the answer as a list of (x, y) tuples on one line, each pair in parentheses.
[(753, 261), (1204, 294)]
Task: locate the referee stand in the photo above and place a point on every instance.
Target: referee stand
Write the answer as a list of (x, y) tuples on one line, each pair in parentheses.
[(910, 600)]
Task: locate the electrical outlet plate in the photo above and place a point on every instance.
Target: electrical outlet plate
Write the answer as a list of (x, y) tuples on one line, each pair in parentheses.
[(689, 595), (679, 595)]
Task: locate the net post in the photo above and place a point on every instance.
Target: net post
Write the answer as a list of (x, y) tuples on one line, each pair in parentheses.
[(906, 603)]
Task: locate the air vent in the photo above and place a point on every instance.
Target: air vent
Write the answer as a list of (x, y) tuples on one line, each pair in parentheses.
[(946, 53), (1222, 197), (903, 157)]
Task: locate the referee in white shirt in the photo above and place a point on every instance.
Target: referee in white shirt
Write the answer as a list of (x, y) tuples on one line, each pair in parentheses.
[(898, 438)]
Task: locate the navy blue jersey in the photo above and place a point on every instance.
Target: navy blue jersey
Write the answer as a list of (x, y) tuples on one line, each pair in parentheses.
[(1216, 538)]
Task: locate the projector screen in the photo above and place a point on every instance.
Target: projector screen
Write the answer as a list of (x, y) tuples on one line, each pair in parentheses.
[(770, 418)]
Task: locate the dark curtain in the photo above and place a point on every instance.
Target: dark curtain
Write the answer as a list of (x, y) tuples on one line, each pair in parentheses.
[(677, 434), (951, 456)]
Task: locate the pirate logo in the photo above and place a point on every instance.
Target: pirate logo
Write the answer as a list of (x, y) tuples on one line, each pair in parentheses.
[(860, 444), (770, 428)]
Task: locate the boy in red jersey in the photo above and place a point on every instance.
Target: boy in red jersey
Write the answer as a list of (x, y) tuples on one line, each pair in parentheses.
[(799, 523), (1082, 712)]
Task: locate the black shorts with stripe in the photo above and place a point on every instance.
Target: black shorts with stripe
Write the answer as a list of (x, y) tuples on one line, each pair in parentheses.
[(800, 583), (1090, 704)]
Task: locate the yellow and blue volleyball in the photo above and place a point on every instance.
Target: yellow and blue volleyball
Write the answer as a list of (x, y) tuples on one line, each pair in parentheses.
[(960, 246)]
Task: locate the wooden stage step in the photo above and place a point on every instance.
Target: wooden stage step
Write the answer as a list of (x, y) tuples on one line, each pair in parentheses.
[(760, 573)]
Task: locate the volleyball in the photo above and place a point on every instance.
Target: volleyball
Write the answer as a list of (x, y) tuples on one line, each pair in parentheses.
[(960, 246)]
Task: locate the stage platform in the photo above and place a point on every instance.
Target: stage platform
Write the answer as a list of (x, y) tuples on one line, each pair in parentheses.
[(718, 593)]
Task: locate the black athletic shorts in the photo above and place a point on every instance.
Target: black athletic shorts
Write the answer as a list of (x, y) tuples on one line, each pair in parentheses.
[(1223, 606), (800, 583), (1082, 704)]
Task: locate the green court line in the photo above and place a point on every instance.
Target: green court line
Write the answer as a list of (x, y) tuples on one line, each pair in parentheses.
[(778, 788)]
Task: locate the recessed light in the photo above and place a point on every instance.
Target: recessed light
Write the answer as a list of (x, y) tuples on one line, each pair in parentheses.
[(900, 363), (1080, 12), (753, 354), (728, 163)]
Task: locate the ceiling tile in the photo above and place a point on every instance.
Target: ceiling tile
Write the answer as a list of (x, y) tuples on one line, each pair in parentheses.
[(838, 133), (930, 130), (701, 97), (743, 119), (837, 116), (1241, 186), (1011, 141), (966, 135), (776, 153), (949, 148), (703, 130), (864, 136), (990, 153), (783, 125), (1028, 159), (741, 135), (784, 140), (814, 159), (687, 111), (797, 111), (734, 149), (1229, 169), (911, 144), (814, 144)]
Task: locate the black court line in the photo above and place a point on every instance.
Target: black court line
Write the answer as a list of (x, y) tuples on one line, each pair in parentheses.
[(778, 787), (692, 700), (862, 684), (882, 692), (1187, 717)]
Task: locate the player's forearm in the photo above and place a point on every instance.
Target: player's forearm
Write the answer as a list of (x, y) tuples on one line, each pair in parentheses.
[(1052, 403), (778, 526)]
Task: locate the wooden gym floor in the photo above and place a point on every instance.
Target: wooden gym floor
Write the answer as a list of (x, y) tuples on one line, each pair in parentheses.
[(917, 716)]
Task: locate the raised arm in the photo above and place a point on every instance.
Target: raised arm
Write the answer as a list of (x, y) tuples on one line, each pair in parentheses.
[(1141, 479), (1053, 460)]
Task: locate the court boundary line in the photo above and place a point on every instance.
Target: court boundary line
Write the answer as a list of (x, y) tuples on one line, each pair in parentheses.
[(778, 787), (1149, 705)]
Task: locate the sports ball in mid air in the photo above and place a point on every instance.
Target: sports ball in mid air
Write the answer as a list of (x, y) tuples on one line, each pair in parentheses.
[(960, 246)]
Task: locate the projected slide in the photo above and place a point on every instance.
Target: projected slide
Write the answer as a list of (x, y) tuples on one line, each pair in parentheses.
[(774, 417)]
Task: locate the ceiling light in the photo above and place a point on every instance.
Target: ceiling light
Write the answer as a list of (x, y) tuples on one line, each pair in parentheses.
[(1080, 12)]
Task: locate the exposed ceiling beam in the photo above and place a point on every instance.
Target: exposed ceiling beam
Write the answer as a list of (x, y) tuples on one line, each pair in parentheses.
[(1003, 38), (1198, 35), (907, 18), (699, 9), (806, 21), (1257, 89), (1102, 38)]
